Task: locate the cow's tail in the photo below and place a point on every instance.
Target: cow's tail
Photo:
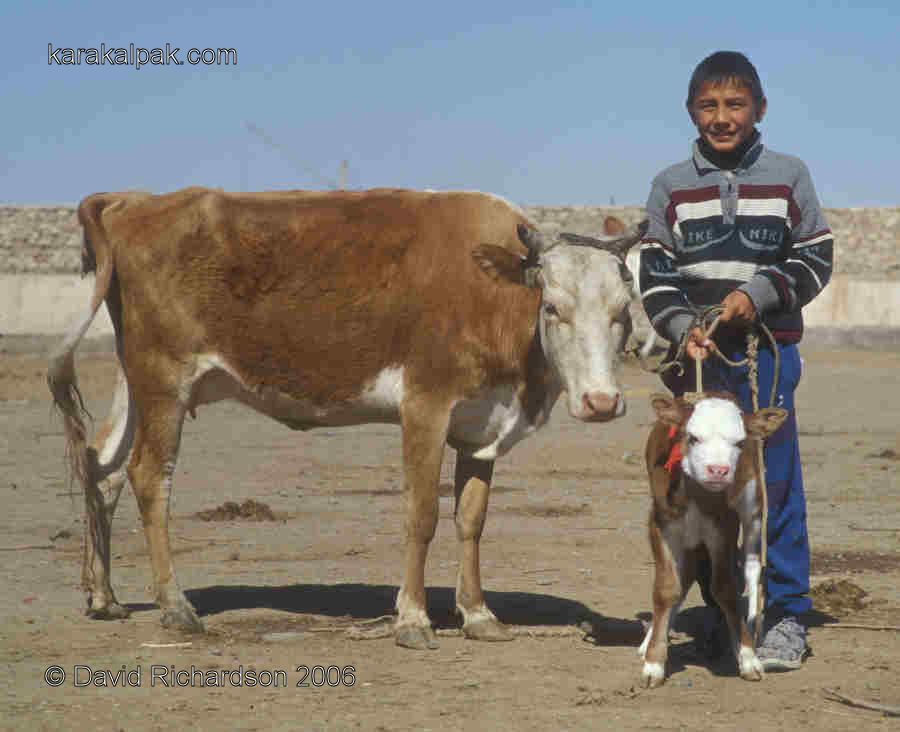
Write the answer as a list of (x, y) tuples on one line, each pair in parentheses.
[(96, 256)]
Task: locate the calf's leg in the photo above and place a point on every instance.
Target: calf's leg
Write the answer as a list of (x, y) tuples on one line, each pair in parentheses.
[(673, 576), (724, 590), (751, 523)]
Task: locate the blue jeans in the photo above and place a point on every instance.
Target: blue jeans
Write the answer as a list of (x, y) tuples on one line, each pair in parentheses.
[(787, 571)]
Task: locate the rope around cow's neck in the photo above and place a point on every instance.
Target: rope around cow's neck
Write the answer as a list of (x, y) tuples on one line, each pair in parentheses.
[(752, 363)]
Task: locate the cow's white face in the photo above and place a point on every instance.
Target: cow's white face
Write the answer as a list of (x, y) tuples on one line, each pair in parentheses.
[(714, 438), (584, 322)]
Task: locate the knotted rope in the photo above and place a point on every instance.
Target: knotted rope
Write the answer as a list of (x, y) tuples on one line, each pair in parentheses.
[(708, 320)]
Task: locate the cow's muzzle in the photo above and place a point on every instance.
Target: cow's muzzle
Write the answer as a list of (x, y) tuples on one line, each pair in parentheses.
[(599, 406)]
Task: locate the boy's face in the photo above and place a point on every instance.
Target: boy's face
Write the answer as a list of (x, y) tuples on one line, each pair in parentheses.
[(725, 114)]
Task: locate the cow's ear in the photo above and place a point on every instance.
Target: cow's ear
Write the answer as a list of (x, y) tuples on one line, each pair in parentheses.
[(764, 422), (500, 263), (667, 409)]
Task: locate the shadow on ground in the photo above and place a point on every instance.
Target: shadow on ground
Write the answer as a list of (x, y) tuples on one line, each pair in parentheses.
[(365, 602)]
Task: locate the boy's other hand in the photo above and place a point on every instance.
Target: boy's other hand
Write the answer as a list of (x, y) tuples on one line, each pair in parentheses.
[(698, 346), (738, 308)]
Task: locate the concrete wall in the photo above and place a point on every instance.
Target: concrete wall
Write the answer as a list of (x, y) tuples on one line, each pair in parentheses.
[(47, 305), (848, 302)]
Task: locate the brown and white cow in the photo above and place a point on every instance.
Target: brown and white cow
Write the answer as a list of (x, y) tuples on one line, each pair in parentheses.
[(703, 492), (337, 308)]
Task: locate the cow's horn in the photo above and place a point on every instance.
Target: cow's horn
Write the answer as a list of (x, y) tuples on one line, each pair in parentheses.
[(533, 239), (618, 245)]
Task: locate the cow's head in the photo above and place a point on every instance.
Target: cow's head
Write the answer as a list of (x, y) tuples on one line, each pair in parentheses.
[(583, 319), (713, 433)]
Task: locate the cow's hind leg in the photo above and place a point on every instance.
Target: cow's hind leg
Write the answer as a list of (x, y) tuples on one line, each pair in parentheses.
[(150, 472), (472, 486), (424, 433), (103, 486)]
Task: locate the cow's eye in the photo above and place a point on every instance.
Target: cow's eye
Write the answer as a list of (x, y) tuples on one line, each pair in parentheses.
[(550, 310), (740, 445), (692, 440)]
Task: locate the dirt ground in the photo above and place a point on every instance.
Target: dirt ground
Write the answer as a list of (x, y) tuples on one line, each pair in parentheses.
[(565, 560)]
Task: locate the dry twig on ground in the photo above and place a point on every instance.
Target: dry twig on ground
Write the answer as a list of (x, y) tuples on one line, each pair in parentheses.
[(832, 695)]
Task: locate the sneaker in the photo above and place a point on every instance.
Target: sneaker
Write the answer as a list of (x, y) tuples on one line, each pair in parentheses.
[(783, 647)]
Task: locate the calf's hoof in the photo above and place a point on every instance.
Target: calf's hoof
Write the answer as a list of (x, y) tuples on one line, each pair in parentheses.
[(653, 675), (113, 611), (416, 637), (487, 629), (182, 617), (750, 666)]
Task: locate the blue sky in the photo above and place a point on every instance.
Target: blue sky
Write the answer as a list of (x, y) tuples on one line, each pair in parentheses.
[(564, 103)]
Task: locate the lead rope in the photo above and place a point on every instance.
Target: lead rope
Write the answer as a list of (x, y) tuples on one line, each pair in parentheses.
[(752, 364), (753, 376)]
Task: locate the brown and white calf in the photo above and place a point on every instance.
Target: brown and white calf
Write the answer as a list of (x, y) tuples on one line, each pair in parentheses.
[(700, 501), (446, 313)]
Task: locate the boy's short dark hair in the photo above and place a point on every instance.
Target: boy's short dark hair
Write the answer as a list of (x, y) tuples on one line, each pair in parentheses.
[(722, 67)]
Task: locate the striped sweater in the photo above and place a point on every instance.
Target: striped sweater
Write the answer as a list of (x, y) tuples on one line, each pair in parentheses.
[(758, 228)]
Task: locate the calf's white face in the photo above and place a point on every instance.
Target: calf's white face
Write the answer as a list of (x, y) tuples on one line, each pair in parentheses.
[(583, 320), (714, 438)]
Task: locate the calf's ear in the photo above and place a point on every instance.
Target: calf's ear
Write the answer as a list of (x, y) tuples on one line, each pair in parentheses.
[(666, 408), (764, 422)]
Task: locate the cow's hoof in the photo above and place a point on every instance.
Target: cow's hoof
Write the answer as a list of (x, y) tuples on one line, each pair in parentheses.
[(183, 618), (113, 611), (416, 637), (487, 629)]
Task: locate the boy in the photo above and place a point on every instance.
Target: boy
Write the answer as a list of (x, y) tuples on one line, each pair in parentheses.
[(740, 225)]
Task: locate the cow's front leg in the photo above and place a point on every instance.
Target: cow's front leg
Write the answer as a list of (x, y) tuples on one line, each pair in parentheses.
[(424, 433), (471, 487)]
